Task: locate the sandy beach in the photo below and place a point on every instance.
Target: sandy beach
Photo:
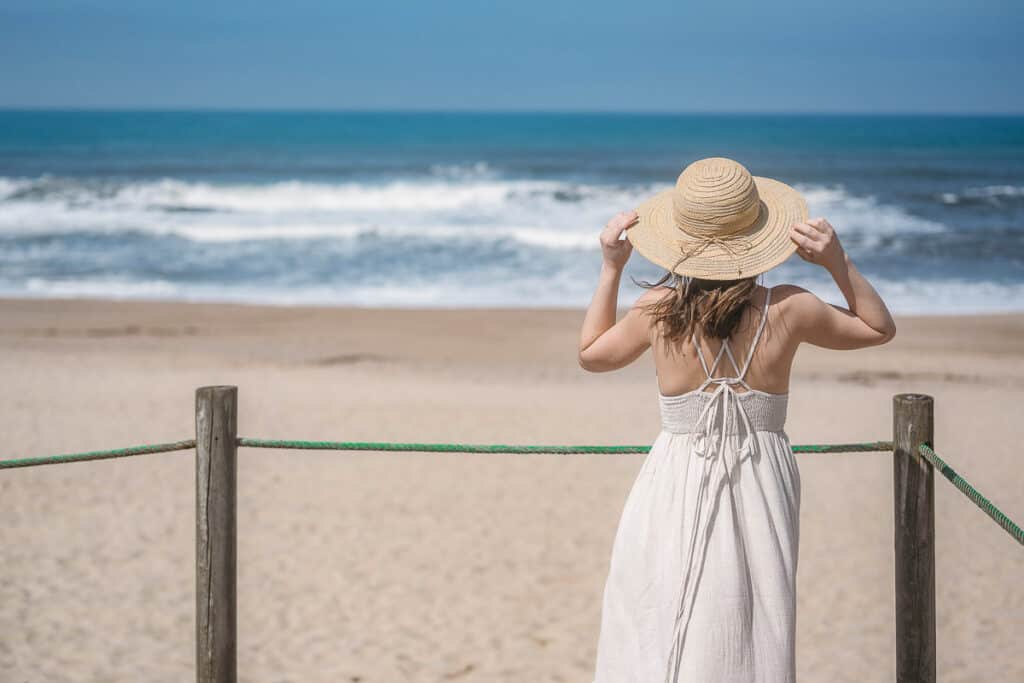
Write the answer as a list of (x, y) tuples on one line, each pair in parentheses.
[(381, 568)]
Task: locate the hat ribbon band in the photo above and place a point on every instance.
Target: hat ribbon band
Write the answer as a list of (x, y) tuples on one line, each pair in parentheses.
[(735, 250)]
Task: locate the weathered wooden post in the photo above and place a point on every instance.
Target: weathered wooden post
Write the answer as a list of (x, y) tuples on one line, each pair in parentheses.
[(216, 543), (913, 490)]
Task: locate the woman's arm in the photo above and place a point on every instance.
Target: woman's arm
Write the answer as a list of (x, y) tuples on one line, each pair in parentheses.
[(604, 344), (866, 322)]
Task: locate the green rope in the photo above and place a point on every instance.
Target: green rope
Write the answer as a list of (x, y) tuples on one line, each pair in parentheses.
[(434, 447), (981, 501), (948, 472), (499, 448), (98, 455), (869, 447), (415, 447)]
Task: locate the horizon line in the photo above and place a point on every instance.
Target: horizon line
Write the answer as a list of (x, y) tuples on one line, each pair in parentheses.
[(506, 112)]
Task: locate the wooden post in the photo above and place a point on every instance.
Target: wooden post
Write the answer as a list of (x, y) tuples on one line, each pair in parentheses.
[(913, 490), (216, 542)]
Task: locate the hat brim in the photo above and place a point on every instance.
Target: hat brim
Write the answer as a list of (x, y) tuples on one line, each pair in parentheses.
[(754, 250)]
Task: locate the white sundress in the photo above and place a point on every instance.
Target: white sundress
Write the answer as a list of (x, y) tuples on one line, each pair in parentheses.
[(702, 581)]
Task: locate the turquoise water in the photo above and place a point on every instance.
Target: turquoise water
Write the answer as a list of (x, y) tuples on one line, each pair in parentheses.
[(478, 209)]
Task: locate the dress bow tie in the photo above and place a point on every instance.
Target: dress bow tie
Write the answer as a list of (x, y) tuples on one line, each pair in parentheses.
[(717, 437)]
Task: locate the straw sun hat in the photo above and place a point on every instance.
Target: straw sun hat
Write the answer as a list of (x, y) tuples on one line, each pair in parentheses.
[(718, 222)]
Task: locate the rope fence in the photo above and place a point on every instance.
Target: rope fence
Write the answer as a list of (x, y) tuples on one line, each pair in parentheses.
[(965, 487), (185, 445), (500, 448), (385, 446), (948, 472)]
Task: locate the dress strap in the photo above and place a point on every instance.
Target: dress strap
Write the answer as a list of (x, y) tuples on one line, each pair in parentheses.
[(725, 349), (709, 371), (757, 335)]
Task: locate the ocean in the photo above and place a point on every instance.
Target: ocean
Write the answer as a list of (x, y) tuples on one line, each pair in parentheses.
[(479, 210)]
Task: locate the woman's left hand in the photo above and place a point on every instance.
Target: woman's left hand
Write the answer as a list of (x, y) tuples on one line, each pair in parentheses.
[(616, 251)]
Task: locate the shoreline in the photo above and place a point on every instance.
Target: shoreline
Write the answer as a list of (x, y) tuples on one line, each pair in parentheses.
[(8, 299)]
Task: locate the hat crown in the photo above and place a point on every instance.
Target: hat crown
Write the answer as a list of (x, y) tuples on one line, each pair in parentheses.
[(715, 197)]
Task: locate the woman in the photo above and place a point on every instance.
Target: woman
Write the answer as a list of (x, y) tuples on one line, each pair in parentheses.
[(702, 581)]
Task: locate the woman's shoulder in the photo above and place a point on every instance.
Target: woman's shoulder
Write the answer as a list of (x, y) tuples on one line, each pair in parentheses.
[(654, 294), (789, 295), (799, 306), (651, 304)]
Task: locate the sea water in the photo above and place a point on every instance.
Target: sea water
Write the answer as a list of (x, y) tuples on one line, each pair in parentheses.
[(469, 210)]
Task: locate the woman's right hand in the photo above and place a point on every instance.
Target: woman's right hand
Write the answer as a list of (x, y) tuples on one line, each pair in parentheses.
[(818, 243)]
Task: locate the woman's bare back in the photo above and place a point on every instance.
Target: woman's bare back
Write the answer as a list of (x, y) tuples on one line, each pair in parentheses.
[(679, 370)]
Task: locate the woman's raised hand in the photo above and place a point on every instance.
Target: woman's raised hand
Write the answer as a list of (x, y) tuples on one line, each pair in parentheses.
[(614, 250), (865, 322), (818, 243)]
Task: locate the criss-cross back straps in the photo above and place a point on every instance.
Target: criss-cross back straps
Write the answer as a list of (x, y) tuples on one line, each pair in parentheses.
[(709, 371)]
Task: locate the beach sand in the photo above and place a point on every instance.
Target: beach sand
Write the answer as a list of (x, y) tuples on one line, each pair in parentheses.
[(377, 567)]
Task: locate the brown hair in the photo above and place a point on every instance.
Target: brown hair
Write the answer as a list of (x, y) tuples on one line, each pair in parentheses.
[(713, 306)]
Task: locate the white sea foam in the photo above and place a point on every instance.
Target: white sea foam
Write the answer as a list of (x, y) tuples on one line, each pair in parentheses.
[(864, 217), (428, 194), (460, 213), (479, 169), (542, 213), (992, 194), (107, 287), (550, 214), (10, 186)]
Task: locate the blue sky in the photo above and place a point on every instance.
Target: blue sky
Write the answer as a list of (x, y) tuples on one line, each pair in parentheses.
[(821, 56)]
